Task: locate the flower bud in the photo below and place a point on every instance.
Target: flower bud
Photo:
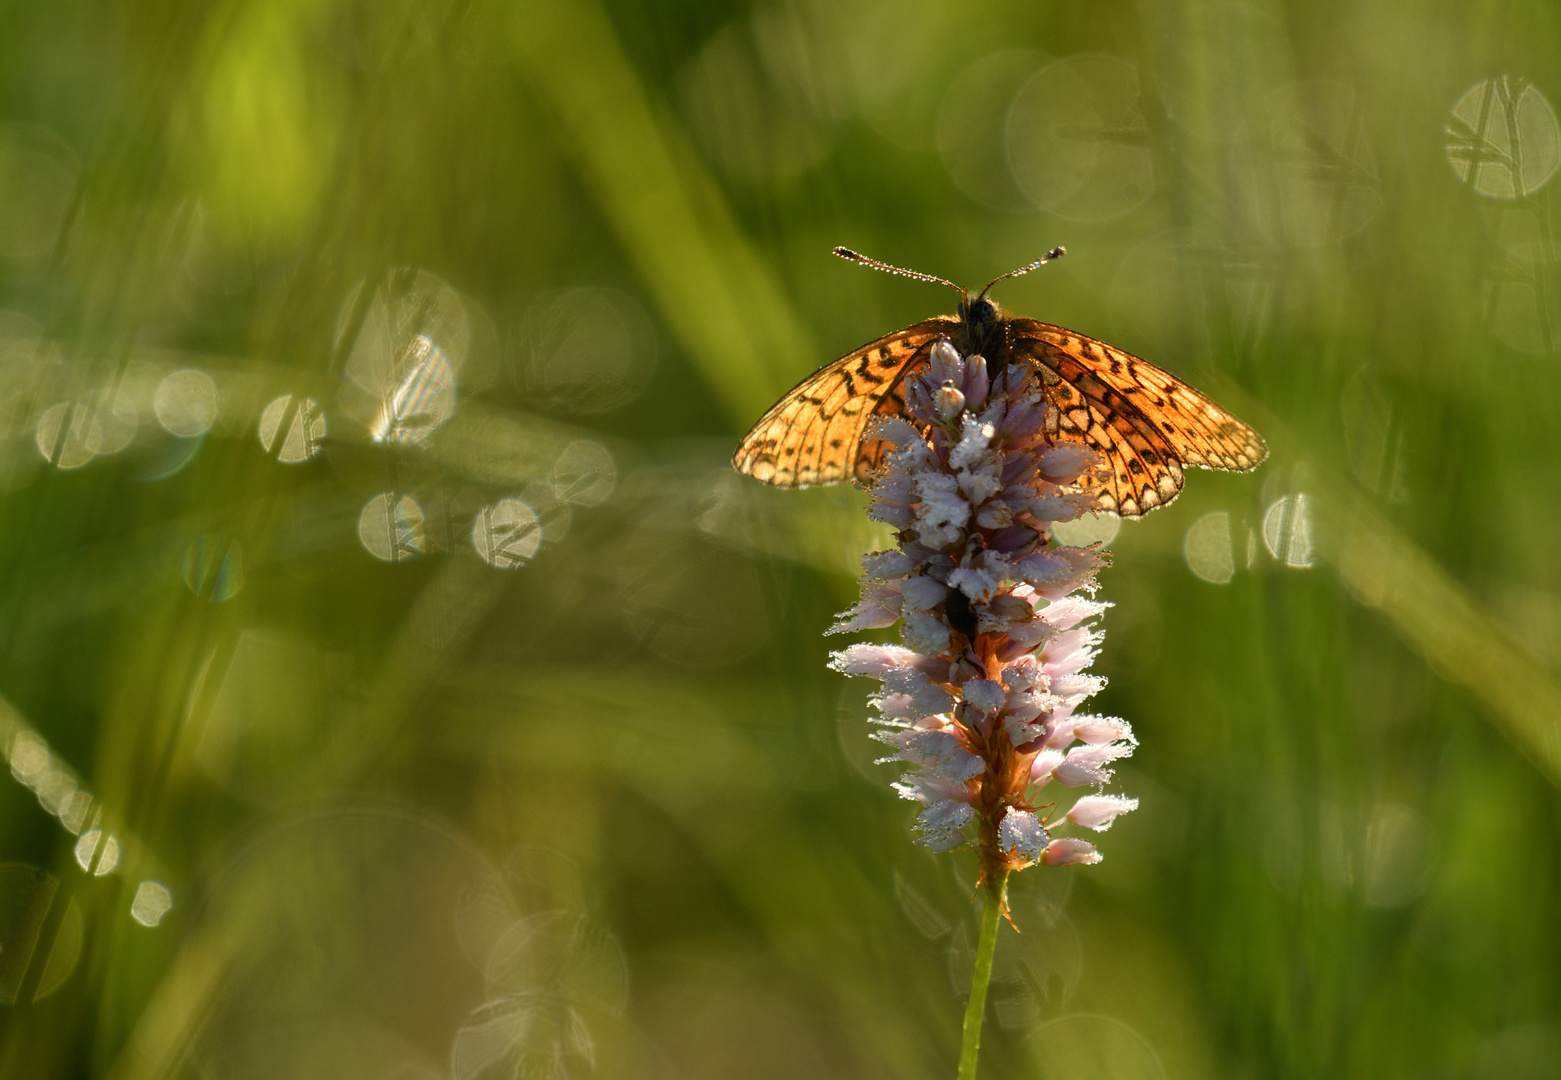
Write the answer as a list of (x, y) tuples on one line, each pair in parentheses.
[(1096, 730), (1068, 852), (1013, 538), (976, 382), (1099, 811), (1010, 608), (1009, 650), (946, 365), (963, 670), (948, 402)]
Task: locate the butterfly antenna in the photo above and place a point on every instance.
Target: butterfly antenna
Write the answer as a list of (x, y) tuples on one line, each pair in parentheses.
[(857, 257), (1054, 253)]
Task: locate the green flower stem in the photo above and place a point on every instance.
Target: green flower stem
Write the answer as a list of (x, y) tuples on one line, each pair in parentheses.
[(970, 1045)]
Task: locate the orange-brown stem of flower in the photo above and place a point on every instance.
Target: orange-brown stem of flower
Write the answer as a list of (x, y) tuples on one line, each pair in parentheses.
[(1003, 782)]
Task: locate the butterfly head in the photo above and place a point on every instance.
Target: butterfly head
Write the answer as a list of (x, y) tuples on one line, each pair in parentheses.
[(980, 317)]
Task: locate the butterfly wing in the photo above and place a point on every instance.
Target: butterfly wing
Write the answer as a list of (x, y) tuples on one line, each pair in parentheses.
[(814, 435), (1145, 421)]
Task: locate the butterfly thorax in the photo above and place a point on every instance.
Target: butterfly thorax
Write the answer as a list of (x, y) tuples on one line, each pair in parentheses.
[(981, 327)]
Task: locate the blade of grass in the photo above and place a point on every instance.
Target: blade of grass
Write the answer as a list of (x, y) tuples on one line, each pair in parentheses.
[(714, 291)]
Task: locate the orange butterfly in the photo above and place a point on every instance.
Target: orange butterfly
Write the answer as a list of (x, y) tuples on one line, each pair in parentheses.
[(1145, 422)]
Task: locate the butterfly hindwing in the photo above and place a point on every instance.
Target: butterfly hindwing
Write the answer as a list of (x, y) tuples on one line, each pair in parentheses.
[(1146, 422), (814, 435)]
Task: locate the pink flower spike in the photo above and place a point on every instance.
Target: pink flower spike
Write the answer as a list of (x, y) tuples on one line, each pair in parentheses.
[(1008, 608), (1099, 811), (980, 700), (995, 515), (1070, 852), (1025, 673), (1027, 705)]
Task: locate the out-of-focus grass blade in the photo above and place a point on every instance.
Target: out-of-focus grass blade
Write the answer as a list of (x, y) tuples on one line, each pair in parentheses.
[(714, 292), (1426, 606), (1440, 620)]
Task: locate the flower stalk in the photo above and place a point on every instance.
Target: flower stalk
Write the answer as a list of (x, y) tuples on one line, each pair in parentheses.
[(998, 625), (980, 979)]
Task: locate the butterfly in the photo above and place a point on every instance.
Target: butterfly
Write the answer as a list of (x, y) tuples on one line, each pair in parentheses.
[(1146, 424)]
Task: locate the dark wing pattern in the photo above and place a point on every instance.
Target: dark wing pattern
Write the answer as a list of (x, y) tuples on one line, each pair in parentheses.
[(814, 435), (1145, 421)]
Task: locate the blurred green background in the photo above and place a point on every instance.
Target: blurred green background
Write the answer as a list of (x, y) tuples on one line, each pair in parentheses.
[(397, 682)]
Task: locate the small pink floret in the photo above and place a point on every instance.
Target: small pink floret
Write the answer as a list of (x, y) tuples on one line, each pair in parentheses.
[(1099, 811), (1070, 852)]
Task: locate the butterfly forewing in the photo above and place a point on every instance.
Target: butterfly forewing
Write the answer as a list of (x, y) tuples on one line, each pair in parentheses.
[(814, 435), (1146, 422)]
